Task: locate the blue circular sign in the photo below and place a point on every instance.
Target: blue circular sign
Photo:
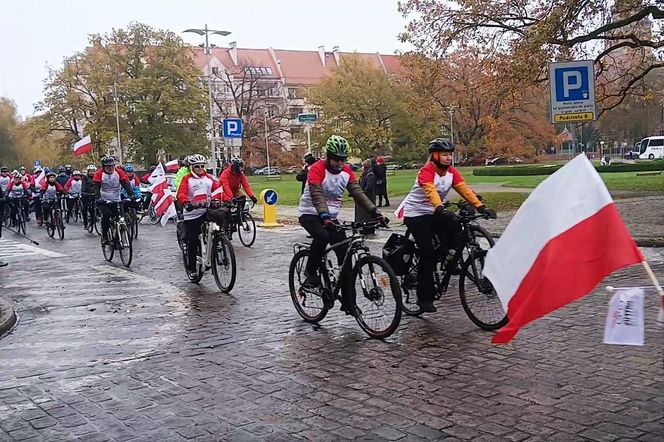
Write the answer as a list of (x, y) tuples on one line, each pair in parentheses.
[(270, 197)]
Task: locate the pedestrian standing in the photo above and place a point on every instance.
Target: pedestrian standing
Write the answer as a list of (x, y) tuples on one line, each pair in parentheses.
[(301, 176), (368, 185), (381, 182)]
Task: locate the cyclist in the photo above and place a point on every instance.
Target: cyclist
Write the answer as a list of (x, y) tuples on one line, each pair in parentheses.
[(232, 178), (68, 170), (320, 205), (88, 192), (196, 189), (307, 161), (108, 182), (62, 177), (5, 179), (17, 193), (135, 186), (74, 189), (425, 216), (49, 192), (182, 172), (34, 188)]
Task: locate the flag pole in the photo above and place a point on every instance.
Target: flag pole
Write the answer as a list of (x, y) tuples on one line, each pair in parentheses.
[(653, 278)]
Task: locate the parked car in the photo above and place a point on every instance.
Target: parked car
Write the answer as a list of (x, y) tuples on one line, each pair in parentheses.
[(264, 171), (393, 166), (294, 169)]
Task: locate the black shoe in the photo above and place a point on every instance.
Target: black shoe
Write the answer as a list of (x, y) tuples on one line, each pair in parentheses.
[(427, 307), (311, 282), (192, 274), (3, 264), (350, 311)]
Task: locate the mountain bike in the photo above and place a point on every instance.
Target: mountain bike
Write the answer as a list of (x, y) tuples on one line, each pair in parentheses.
[(375, 295), (478, 297), (55, 223), (242, 221), (215, 250), (17, 213), (118, 233), (76, 211)]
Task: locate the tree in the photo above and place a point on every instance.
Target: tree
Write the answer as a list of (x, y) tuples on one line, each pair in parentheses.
[(162, 106), (490, 117), (361, 103), (252, 93), (8, 120), (618, 35), (34, 141)]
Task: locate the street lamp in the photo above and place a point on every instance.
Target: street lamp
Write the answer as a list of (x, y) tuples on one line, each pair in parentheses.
[(205, 31), (450, 110)]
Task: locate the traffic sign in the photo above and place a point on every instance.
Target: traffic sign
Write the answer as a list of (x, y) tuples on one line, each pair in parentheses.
[(572, 88), (270, 197), (38, 164), (232, 128), (307, 118)]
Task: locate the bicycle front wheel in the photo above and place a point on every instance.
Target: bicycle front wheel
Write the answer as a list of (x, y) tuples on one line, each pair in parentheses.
[(21, 221), (123, 242), (57, 220), (224, 269), (309, 305), (246, 229), (97, 221), (478, 297), (109, 248), (377, 297), (153, 218)]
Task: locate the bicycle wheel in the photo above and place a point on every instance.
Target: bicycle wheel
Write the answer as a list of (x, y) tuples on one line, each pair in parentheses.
[(57, 220), (77, 210), (246, 229), (91, 220), (478, 297), (377, 296), (21, 221), (195, 278), (135, 222), (224, 269), (67, 216), (123, 243), (153, 218), (97, 222), (308, 305), (109, 248), (482, 240)]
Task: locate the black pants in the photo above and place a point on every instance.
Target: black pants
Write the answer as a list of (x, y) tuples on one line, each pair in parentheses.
[(423, 228), (108, 212), (70, 205), (192, 228), (2, 212), (381, 192), (321, 238), (87, 202), (36, 204)]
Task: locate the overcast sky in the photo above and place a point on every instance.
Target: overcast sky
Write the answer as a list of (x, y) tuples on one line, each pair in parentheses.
[(35, 33)]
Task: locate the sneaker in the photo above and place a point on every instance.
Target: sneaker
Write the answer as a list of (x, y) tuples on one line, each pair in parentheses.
[(311, 282), (427, 307), (192, 274)]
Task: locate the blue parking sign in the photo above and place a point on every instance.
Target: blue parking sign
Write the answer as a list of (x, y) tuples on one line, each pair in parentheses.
[(572, 88), (232, 128)]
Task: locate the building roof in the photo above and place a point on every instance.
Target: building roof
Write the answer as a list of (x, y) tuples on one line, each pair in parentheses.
[(297, 67)]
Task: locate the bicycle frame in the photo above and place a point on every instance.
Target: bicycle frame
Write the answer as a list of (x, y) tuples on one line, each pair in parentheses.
[(208, 231)]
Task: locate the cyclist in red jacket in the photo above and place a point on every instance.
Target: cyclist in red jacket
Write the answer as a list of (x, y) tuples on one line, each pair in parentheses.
[(232, 178)]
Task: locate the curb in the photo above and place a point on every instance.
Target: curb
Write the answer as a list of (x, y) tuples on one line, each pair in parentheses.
[(7, 316)]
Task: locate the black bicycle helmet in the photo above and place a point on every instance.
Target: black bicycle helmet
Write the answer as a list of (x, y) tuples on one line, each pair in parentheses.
[(108, 161), (309, 159), (441, 145)]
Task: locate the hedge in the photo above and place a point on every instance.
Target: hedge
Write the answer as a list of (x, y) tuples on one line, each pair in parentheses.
[(548, 169)]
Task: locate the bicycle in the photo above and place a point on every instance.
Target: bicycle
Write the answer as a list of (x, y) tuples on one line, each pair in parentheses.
[(371, 277), (466, 261), (242, 221), (76, 211), (91, 212), (55, 220), (216, 251), (118, 232), (17, 214), (133, 219)]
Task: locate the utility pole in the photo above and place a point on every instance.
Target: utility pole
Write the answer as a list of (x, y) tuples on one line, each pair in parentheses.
[(117, 122)]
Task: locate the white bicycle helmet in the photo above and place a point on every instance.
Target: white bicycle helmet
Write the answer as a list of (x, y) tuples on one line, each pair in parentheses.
[(196, 159), (91, 167)]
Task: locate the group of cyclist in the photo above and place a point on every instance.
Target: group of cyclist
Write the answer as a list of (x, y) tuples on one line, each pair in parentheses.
[(326, 182)]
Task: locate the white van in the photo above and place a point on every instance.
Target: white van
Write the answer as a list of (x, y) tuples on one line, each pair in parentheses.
[(651, 148)]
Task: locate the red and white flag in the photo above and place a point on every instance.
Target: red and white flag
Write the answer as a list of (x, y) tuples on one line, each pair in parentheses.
[(162, 197), (84, 145), (40, 179), (173, 165), (566, 237)]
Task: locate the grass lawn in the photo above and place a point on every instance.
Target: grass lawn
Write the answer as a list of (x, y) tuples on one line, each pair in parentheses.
[(401, 182)]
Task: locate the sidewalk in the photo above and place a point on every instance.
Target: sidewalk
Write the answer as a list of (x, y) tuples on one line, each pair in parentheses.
[(643, 215)]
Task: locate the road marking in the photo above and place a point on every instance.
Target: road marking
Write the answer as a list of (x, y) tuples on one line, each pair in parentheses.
[(10, 249)]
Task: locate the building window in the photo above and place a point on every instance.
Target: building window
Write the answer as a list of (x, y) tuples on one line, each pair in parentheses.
[(292, 93), (294, 111), (296, 133), (215, 70), (258, 71)]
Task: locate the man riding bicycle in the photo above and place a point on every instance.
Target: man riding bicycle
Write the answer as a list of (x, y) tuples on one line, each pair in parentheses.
[(320, 205), (74, 189), (232, 178), (425, 216), (196, 189), (88, 193), (108, 183), (49, 192), (17, 193)]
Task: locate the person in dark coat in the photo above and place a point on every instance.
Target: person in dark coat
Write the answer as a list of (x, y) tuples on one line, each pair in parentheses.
[(381, 182), (368, 185), (301, 176)]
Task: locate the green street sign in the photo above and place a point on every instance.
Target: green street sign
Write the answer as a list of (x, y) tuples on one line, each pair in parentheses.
[(307, 118)]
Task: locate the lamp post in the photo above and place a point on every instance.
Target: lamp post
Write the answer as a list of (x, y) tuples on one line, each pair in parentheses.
[(205, 31), (450, 110), (117, 120), (267, 143)]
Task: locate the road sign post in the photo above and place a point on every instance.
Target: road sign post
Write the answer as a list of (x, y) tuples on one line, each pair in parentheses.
[(307, 119), (572, 89)]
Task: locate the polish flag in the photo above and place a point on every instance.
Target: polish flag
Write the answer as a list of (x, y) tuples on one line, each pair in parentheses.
[(162, 196), (40, 180), (173, 165), (566, 237), (84, 145)]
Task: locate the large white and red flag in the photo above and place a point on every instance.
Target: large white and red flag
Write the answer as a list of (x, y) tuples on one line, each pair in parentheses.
[(566, 237), (162, 197), (84, 145), (173, 165)]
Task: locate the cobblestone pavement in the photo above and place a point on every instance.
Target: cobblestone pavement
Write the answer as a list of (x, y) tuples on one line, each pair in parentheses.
[(104, 353)]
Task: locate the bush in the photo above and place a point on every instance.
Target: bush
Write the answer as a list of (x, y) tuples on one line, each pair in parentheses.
[(545, 169)]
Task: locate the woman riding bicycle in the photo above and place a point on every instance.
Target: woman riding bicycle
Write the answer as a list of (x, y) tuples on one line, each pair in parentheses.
[(425, 216), (320, 205), (194, 192)]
